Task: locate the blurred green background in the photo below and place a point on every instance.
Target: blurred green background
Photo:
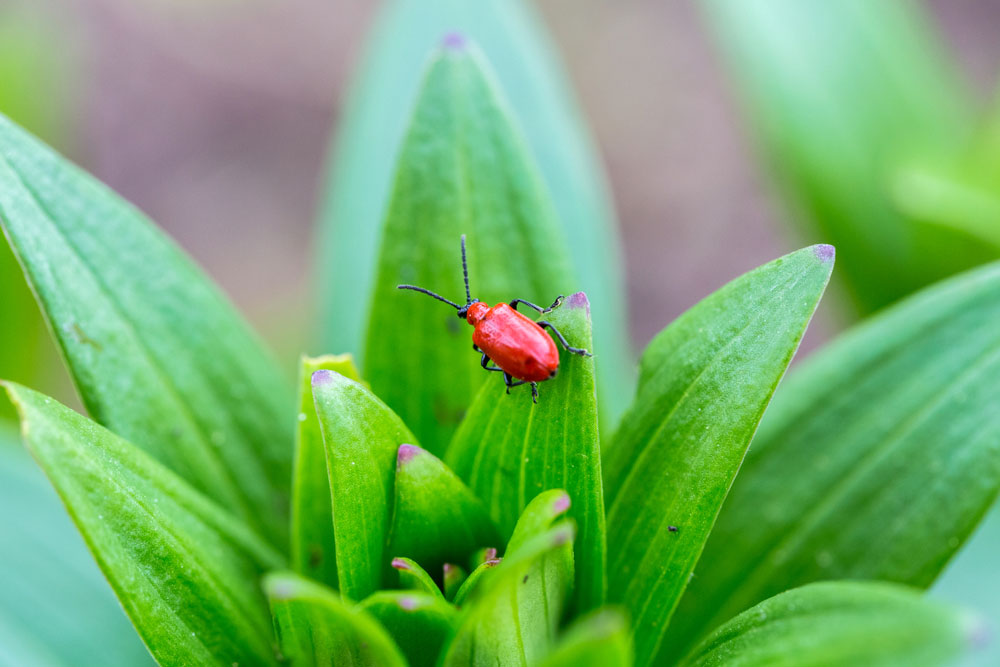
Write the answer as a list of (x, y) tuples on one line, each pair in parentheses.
[(732, 131)]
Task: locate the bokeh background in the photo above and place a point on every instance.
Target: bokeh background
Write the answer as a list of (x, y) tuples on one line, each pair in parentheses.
[(214, 117)]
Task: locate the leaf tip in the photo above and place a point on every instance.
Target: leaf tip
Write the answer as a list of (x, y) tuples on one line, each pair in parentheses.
[(401, 564), (561, 503), (454, 41), (280, 587), (578, 300), (406, 454), (324, 377), (408, 603), (824, 252)]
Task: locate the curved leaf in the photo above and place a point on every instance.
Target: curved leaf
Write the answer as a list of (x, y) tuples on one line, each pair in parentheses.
[(361, 436), (56, 607), (462, 169), (419, 623), (435, 517), (413, 577), (316, 629), (313, 551), (508, 449), (600, 639), (704, 383), (846, 97), (144, 526), (368, 144), (876, 461), (158, 354), (840, 623)]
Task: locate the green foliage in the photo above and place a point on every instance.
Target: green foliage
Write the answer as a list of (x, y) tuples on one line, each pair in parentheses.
[(703, 385), (462, 169), (600, 639), (157, 353), (368, 145), (419, 623), (508, 449), (184, 569), (865, 126), (840, 623), (908, 396)]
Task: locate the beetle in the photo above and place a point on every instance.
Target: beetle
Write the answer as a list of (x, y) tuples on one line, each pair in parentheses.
[(518, 346)]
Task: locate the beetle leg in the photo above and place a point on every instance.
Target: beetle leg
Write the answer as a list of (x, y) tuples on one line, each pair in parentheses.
[(534, 392), (565, 344), (508, 380), (555, 304), (485, 360), (476, 348)]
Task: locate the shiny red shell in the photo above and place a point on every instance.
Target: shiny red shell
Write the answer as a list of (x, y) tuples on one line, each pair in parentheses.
[(514, 342)]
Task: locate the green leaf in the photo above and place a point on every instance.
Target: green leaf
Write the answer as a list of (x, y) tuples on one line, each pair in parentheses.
[(845, 98), (600, 639), (462, 169), (56, 607), (472, 582), (158, 354), (414, 577), (361, 435), (454, 578), (313, 552), (840, 623), (435, 517), (419, 623), (508, 449), (184, 569), (704, 383), (368, 143), (511, 616), (876, 461), (316, 629)]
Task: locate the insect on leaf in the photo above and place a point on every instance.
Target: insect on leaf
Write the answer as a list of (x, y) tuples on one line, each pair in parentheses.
[(508, 449), (158, 354), (877, 459), (313, 551), (704, 383), (462, 169), (145, 525)]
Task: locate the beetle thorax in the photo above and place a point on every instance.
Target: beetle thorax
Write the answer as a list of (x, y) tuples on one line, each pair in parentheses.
[(476, 312)]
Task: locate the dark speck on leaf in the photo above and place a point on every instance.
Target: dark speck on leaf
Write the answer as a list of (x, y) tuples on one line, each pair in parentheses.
[(673, 529), (315, 555), (525, 580)]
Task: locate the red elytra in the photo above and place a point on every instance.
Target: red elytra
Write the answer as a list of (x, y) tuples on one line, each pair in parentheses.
[(517, 345)]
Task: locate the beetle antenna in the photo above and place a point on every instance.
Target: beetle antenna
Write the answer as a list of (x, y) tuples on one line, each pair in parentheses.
[(430, 293), (465, 273)]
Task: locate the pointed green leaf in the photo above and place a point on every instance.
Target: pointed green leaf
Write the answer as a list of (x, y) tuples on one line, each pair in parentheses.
[(845, 98), (511, 616), (508, 449), (601, 639), (704, 383), (471, 582), (841, 623), (876, 461), (361, 436), (435, 517), (316, 629), (462, 169), (184, 569), (158, 354), (414, 577), (420, 624), (368, 143), (313, 551), (454, 577), (56, 607)]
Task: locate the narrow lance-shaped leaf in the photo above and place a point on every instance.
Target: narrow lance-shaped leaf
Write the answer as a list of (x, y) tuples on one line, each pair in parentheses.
[(462, 170), (184, 569), (435, 517), (361, 436), (419, 623), (704, 383), (876, 461), (313, 551), (158, 354), (846, 97), (316, 629), (413, 577), (56, 607), (509, 449), (368, 142), (842, 623), (600, 639)]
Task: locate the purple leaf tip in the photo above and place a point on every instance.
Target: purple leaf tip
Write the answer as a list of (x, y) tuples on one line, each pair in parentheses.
[(406, 454), (561, 504), (400, 564), (824, 252), (578, 300), (454, 41), (489, 554), (408, 603), (323, 377)]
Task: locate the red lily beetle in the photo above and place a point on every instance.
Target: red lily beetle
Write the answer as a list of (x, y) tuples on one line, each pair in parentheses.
[(518, 346)]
